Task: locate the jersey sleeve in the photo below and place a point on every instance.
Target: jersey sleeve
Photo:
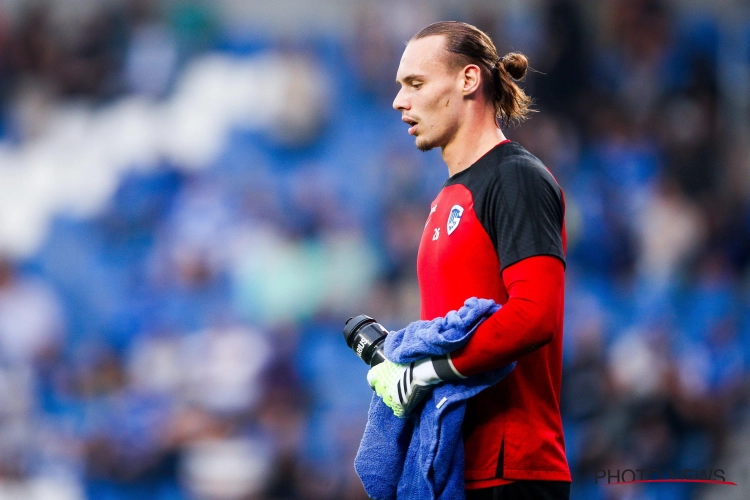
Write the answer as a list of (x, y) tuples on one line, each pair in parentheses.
[(523, 212), (530, 318)]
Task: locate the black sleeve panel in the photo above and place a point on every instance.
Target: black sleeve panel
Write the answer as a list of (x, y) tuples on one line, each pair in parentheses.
[(521, 208)]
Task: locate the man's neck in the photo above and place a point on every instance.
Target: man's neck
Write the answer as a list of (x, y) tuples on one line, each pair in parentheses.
[(469, 144)]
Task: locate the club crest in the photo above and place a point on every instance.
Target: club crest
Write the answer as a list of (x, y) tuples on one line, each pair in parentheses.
[(454, 218)]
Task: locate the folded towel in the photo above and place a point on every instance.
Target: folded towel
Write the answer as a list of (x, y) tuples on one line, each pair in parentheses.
[(422, 457)]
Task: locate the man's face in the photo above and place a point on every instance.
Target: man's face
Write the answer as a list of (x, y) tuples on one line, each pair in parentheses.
[(430, 96)]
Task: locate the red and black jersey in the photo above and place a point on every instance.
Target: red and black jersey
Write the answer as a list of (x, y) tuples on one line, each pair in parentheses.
[(497, 230)]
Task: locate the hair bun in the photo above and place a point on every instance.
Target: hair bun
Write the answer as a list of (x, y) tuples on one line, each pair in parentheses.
[(515, 64)]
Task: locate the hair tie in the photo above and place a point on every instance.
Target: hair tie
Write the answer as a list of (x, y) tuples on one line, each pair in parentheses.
[(500, 65)]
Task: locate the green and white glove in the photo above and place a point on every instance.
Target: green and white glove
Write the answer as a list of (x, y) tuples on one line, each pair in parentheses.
[(403, 387)]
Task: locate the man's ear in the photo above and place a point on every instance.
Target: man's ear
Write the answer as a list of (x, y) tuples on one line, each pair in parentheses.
[(471, 79)]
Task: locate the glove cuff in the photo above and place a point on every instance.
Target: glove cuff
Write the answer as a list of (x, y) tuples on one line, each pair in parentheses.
[(444, 368)]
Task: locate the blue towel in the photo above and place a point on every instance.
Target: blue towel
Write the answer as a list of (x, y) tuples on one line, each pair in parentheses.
[(422, 457)]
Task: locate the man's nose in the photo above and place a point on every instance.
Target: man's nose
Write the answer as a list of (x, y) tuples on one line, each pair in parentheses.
[(400, 102)]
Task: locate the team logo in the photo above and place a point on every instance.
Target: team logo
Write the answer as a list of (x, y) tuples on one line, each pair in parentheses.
[(454, 218)]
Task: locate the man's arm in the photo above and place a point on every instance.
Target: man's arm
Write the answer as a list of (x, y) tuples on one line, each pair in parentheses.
[(525, 323)]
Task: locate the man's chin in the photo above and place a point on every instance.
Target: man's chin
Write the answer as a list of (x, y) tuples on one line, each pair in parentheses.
[(423, 145)]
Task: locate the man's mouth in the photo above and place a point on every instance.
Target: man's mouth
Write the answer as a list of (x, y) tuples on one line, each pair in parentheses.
[(412, 123)]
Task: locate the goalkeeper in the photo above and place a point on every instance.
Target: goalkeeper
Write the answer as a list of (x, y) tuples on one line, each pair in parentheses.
[(496, 230)]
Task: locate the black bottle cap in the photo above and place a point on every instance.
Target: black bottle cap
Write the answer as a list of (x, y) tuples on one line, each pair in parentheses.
[(354, 324)]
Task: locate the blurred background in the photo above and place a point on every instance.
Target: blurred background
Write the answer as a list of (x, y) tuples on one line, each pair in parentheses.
[(195, 195)]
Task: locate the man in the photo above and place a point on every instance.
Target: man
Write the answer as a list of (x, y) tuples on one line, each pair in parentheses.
[(496, 230)]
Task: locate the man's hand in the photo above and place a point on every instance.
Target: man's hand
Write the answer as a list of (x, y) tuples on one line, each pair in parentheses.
[(402, 387)]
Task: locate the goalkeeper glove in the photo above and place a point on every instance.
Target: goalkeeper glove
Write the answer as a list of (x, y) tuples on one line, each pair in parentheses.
[(403, 387)]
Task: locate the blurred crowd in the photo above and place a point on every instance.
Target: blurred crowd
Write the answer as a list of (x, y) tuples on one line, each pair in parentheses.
[(185, 342)]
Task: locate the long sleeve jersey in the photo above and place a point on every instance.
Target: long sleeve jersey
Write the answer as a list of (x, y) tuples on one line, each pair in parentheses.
[(497, 230)]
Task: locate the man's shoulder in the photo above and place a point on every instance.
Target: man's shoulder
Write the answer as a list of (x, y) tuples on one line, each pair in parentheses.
[(506, 164), (516, 160)]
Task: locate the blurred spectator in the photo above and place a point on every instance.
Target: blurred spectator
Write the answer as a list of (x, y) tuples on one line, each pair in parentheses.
[(225, 365), (31, 317), (564, 61), (672, 229), (635, 66), (151, 58)]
